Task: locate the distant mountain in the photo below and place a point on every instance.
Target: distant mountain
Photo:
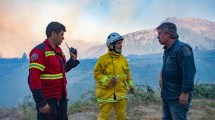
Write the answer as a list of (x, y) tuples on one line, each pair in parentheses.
[(144, 70), (80, 45), (199, 33)]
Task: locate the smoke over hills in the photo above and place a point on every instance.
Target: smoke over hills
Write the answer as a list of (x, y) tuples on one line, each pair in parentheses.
[(199, 33)]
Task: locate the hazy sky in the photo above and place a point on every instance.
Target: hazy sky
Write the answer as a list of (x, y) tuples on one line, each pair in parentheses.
[(23, 22)]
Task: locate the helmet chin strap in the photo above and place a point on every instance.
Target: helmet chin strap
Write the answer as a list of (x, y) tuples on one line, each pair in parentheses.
[(116, 50), (112, 48)]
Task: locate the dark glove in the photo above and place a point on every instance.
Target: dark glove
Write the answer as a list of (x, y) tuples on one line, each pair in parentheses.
[(132, 90), (113, 81)]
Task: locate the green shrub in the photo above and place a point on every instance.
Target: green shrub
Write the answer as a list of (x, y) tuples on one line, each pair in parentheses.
[(144, 95), (27, 108), (204, 90), (86, 101)]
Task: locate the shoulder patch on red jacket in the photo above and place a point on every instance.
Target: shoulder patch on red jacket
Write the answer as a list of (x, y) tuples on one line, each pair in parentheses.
[(34, 56)]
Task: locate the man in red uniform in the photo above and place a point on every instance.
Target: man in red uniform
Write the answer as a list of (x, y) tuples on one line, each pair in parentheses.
[(47, 74)]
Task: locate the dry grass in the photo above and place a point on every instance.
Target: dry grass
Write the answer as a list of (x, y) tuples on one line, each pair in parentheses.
[(202, 110), (9, 114), (199, 110), (144, 112)]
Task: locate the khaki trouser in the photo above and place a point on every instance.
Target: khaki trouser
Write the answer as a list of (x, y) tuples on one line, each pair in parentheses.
[(106, 108)]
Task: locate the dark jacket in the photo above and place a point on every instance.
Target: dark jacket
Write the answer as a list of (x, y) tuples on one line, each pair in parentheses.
[(178, 70)]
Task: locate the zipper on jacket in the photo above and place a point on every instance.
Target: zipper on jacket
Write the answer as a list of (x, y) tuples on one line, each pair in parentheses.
[(61, 67), (114, 76)]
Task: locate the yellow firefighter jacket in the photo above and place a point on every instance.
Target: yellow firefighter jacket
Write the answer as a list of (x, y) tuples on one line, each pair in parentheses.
[(108, 66)]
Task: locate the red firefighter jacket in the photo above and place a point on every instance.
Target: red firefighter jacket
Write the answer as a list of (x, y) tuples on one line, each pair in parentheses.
[(47, 73)]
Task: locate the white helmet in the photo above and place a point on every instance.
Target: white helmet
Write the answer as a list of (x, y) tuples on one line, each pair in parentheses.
[(113, 37)]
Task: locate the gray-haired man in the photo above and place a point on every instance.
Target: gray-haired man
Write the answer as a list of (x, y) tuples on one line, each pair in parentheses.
[(177, 74)]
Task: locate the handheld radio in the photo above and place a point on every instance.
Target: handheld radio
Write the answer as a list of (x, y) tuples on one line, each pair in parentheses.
[(72, 50)]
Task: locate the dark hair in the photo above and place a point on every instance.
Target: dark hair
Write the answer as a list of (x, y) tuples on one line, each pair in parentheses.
[(169, 28), (54, 26)]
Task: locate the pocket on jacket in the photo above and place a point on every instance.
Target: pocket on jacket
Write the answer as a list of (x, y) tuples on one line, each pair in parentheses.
[(172, 62)]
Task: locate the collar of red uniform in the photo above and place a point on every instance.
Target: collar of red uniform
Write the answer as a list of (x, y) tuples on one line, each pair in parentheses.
[(57, 49)]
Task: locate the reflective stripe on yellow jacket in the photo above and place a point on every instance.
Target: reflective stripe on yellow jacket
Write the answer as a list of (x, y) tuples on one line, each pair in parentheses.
[(111, 65)]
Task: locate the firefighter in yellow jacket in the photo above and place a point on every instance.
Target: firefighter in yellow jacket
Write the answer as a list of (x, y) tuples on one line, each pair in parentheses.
[(112, 75)]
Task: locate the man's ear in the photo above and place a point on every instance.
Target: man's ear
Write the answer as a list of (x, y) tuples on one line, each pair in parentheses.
[(170, 35), (53, 33)]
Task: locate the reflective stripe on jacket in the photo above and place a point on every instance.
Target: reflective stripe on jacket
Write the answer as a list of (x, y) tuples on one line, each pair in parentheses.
[(108, 66)]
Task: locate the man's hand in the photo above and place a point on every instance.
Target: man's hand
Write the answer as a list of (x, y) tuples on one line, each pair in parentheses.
[(183, 99), (160, 81), (74, 56), (161, 84), (45, 110)]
